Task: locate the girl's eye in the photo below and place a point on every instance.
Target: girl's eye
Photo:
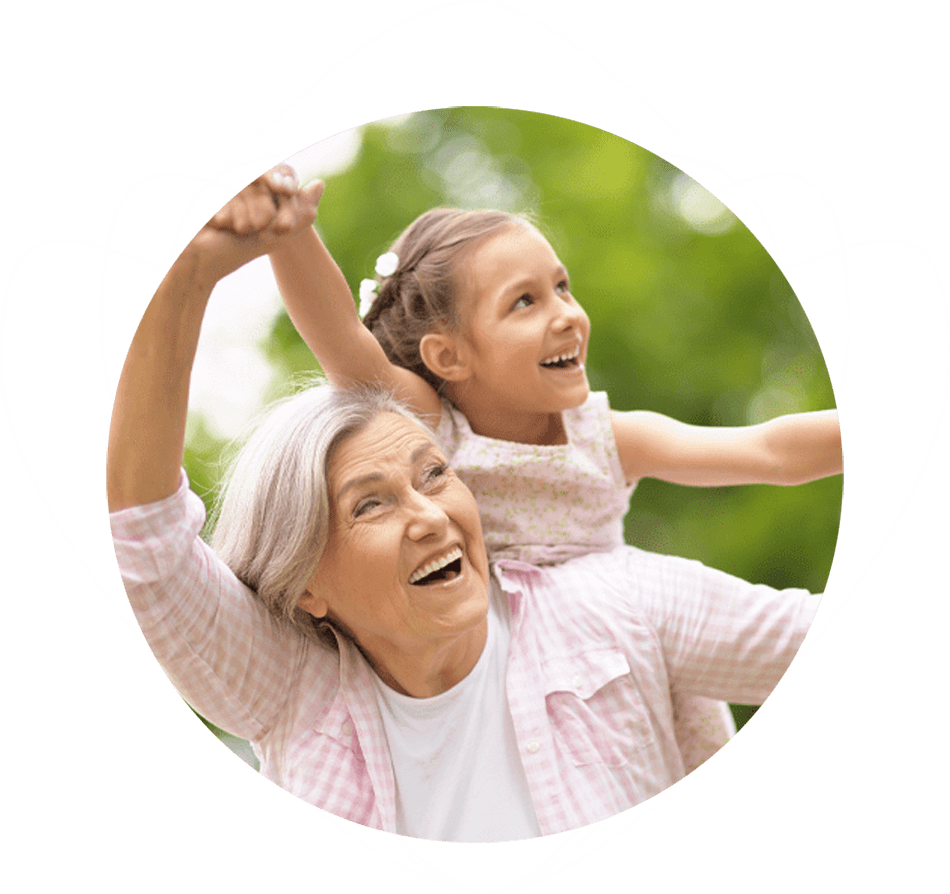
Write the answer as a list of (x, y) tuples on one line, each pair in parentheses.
[(564, 286), (523, 301)]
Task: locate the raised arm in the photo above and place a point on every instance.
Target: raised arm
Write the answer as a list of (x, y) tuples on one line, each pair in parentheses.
[(146, 439), (218, 643), (788, 450), (322, 309)]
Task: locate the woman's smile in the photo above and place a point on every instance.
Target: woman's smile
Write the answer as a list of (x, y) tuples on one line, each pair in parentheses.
[(404, 570), (446, 567)]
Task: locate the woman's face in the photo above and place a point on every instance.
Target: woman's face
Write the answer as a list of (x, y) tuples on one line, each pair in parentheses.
[(404, 569)]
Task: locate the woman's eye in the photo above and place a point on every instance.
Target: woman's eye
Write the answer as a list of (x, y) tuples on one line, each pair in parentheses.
[(523, 301), (564, 286), (365, 506), (435, 472)]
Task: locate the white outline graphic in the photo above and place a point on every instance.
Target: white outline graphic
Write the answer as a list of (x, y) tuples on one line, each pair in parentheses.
[(408, 858)]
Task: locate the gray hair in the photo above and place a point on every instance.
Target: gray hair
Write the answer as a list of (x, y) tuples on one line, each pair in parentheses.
[(271, 516)]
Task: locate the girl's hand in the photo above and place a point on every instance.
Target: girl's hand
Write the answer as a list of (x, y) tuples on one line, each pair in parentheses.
[(254, 222)]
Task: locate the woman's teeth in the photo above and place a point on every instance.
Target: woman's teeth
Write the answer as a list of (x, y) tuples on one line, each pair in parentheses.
[(453, 555)]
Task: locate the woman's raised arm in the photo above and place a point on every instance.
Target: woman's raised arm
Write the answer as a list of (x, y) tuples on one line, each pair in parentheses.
[(146, 439)]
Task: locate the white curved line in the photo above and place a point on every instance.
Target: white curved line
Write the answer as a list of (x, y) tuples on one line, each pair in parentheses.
[(107, 250), (777, 255), (544, 869), (530, 880), (541, 867), (776, 252), (408, 852), (933, 441), (253, 161), (842, 250), (336, 825), (16, 437), (533, 876), (503, 6), (214, 181), (709, 163), (618, 833)]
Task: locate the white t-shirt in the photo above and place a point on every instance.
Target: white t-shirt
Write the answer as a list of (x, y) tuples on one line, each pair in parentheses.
[(455, 757)]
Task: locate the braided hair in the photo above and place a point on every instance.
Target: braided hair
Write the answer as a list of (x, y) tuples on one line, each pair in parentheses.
[(421, 295)]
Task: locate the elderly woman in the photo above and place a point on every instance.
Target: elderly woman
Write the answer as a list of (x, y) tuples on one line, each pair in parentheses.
[(346, 620)]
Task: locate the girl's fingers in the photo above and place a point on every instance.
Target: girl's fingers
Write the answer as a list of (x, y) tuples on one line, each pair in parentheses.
[(312, 192), (294, 213), (270, 202), (298, 210), (282, 180), (287, 216)]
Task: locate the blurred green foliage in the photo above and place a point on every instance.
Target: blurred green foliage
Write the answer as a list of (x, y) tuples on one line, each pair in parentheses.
[(690, 316)]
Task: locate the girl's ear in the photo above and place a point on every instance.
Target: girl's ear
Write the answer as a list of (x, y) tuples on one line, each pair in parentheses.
[(445, 356), (313, 605)]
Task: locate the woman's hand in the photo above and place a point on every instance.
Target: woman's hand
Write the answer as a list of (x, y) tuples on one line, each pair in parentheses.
[(271, 209), (148, 421)]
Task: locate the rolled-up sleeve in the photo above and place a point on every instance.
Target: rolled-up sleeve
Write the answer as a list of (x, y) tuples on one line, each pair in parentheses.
[(225, 653), (722, 637)]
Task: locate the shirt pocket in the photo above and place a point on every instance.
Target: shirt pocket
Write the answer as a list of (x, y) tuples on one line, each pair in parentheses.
[(595, 707)]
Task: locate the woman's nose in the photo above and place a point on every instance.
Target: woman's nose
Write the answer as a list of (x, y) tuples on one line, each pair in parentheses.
[(425, 517)]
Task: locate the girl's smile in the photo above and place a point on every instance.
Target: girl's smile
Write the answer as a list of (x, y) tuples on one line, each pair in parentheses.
[(566, 361)]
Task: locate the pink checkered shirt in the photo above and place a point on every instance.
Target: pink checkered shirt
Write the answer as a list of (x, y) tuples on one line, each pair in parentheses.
[(596, 644)]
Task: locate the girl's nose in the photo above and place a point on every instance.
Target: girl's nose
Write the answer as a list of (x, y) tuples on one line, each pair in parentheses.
[(425, 517), (569, 315)]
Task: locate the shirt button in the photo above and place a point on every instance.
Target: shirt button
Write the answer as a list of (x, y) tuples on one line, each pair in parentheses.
[(533, 747), (577, 682), (347, 727)]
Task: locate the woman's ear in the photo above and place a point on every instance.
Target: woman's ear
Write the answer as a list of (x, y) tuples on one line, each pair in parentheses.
[(313, 605), (445, 356)]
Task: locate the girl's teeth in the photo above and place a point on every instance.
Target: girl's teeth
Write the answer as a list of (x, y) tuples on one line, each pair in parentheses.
[(560, 359)]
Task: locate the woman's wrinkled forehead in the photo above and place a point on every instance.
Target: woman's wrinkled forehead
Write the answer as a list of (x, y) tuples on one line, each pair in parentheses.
[(388, 444)]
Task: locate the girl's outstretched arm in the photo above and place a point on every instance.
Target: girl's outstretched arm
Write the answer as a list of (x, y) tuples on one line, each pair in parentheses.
[(790, 449), (322, 309), (147, 435)]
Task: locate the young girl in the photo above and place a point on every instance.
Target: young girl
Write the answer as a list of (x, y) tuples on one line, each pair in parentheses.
[(475, 327)]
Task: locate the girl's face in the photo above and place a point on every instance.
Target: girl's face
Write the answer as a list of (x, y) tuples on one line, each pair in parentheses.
[(526, 337)]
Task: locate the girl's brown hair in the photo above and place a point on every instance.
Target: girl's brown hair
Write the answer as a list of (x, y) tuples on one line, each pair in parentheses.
[(422, 294)]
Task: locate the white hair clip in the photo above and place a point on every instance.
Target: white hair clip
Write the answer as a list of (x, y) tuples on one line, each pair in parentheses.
[(386, 265), (368, 291)]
